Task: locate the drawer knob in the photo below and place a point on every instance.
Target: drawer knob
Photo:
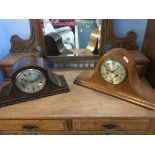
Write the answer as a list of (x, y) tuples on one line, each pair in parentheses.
[(30, 127), (109, 127)]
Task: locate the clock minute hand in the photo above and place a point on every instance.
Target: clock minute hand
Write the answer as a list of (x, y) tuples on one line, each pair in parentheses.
[(115, 69), (38, 77)]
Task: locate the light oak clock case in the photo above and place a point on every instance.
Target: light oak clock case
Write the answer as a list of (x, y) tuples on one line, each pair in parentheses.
[(10, 94), (133, 89)]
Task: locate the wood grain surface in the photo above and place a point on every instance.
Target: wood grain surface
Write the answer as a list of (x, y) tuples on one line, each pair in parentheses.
[(78, 103)]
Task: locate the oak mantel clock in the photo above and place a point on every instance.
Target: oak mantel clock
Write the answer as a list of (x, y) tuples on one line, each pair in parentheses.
[(30, 79), (115, 74)]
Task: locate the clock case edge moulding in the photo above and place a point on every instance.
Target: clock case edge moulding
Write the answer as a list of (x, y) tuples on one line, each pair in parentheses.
[(133, 89)]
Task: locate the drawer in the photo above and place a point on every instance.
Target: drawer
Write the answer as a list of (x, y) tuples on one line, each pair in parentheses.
[(31, 126), (111, 125)]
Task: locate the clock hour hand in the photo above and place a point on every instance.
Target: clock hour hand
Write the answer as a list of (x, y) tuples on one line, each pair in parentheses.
[(38, 77), (27, 80), (108, 69)]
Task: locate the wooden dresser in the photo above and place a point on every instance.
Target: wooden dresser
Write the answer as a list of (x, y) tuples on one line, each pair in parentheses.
[(81, 111)]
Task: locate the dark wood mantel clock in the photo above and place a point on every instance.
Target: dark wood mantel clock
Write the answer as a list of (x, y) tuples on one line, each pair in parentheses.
[(115, 74), (30, 79)]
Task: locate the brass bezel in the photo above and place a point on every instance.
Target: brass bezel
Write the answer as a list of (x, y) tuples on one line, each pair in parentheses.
[(125, 68), (32, 69)]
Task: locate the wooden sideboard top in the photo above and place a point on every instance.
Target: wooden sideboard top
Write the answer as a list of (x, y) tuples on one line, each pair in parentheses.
[(78, 103), (11, 58)]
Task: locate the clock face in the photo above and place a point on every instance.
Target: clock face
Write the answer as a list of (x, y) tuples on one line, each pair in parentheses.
[(30, 81), (113, 71)]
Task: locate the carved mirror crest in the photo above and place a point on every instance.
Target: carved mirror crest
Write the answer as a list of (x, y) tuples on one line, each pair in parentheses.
[(111, 40), (33, 44)]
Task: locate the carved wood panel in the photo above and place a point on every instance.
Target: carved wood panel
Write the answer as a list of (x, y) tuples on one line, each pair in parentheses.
[(34, 44), (108, 37)]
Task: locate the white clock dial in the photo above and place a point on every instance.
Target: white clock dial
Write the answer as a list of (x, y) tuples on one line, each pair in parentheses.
[(113, 71), (30, 81)]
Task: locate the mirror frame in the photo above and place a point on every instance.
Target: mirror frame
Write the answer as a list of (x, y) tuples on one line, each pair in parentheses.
[(107, 37)]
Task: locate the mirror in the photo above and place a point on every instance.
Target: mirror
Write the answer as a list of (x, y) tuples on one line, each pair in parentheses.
[(79, 38), (71, 37)]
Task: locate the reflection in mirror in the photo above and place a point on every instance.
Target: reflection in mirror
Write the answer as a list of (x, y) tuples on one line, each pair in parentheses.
[(71, 37)]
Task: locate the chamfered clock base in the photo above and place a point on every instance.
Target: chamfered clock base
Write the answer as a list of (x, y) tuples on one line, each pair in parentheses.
[(83, 80), (11, 99)]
